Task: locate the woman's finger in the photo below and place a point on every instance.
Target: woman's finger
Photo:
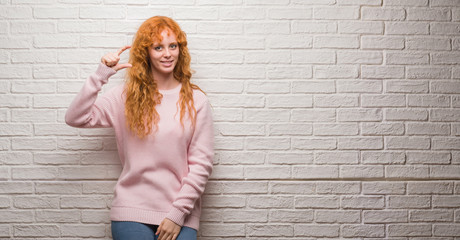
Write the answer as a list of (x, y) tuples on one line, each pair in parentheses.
[(121, 50)]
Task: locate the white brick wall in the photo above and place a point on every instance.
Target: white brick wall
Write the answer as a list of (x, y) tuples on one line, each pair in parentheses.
[(334, 118)]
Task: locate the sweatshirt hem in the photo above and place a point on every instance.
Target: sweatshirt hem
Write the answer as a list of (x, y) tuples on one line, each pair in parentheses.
[(148, 216)]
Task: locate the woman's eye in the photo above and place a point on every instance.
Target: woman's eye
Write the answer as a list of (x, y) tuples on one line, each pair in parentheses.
[(158, 48), (173, 46)]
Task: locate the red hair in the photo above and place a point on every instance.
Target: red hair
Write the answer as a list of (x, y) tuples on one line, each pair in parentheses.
[(141, 90)]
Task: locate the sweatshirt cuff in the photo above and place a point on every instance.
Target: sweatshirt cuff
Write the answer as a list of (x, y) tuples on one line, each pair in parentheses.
[(104, 72), (176, 216)]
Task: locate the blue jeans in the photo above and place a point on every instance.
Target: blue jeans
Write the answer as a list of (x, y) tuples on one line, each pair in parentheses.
[(122, 230)]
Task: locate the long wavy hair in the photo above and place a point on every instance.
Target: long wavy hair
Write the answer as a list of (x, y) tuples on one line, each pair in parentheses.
[(141, 90)]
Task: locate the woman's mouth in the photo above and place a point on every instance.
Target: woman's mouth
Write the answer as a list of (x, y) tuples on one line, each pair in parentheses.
[(167, 63)]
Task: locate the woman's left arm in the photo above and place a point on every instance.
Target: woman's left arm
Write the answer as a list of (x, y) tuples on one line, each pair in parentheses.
[(200, 158)]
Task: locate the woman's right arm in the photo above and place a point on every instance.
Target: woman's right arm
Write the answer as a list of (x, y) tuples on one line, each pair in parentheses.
[(87, 110)]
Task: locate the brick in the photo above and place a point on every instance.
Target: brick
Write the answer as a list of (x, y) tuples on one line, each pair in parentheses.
[(444, 29), (228, 144), (361, 171), (227, 172), (332, 13), (15, 129), (314, 143), (316, 27), (34, 202), (287, 187), (336, 100), (445, 58), (263, 143), (33, 87), (431, 216), (266, 56), (41, 173), (318, 57), (407, 28), (290, 158), (315, 172), (362, 202), (425, 187), (249, 43), (282, 13), (360, 57), (328, 187), (28, 27), (444, 172), (428, 43), (382, 129), (233, 129), (33, 115), (431, 157), (328, 202), (56, 12), (224, 201), (360, 143), (220, 27), (102, 12), (243, 72), (352, 86), (243, 13), (446, 230), (57, 216), (428, 72), (270, 202), (16, 187), (289, 101), (270, 230), (337, 129), (14, 72), (353, 115), (413, 230), (323, 86), (407, 142), (98, 187), (314, 230), (334, 42), (343, 157), (444, 115), (388, 187), (407, 86), (339, 216), (452, 87), (406, 171), (222, 230), (382, 72), (245, 215), (265, 172), (82, 202), (33, 143), (49, 72), (16, 158), (445, 143), (95, 216), (379, 13), (90, 172), (406, 114), (230, 157), (289, 129), (289, 72), (15, 42), (428, 129), (16, 216), (403, 202), (363, 27), (381, 100), (291, 216), (36, 230), (428, 14), (58, 188), (313, 115), (367, 230), (15, 12)]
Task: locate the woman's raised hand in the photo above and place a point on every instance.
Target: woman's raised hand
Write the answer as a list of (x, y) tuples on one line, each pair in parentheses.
[(112, 59)]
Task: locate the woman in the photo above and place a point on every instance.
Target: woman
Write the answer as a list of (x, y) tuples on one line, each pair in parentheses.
[(164, 132)]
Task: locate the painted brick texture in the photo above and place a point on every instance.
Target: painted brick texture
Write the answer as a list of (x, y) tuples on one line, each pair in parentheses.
[(334, 119)]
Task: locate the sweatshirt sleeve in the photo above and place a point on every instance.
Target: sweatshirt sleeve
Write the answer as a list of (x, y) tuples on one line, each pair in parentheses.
[(88, 110), (200, 160)]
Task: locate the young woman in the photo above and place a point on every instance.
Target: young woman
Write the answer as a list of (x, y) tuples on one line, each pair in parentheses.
[(164, 132)]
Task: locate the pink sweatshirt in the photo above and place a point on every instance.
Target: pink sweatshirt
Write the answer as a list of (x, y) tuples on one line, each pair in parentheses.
[(164, 174)]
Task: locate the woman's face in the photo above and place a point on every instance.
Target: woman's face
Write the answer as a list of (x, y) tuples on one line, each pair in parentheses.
[(164, 54)]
